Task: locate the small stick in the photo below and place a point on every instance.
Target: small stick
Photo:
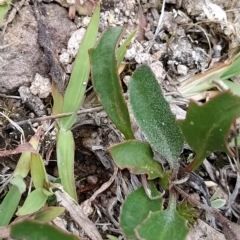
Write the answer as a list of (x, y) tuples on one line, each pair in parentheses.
[(61, 115)]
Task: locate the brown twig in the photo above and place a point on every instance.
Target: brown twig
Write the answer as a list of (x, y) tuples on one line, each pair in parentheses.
[(61, 115)]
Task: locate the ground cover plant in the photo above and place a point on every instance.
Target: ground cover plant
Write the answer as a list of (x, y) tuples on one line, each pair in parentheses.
[(153, 157), (205, 129)]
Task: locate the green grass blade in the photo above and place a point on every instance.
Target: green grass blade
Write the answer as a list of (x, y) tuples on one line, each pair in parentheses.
[(34, 201), (203, 81), (23, 165), (9, 205), (123, 48), (48, 214), (4, 7), (57, 99), (76, 88), (19, 183), (65, 161), (38, 171), (106, 82), (233, 69)]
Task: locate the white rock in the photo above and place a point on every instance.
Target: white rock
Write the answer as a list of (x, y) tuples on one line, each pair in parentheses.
[(41, 86), (65, 58), (69, 68), (182, 70), (75, 40), (111, 18), (126, 79), (127, 13), (86, 21), (214, 12), (158, 71), (116, 10), (143, 58), (130, 53), (71, 2), (135, 49)]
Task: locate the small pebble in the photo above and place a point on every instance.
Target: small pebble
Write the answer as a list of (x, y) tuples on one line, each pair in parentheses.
[(92, 179), (65, 58), (86, 21), (127, 13)]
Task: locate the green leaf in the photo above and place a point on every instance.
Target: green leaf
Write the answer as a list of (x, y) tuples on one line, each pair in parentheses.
[(137, 157), (65, 161), (233, 86), (110, 237), (77, 85), (9, 205), (123, 48), (135, 209), (206, 126), (4, 7), (34, 201), (33, 230), (57, 99), (49, 213), (23, 165), (154, 116), (106, 82), (233, 68), (163, 225), (218, 203), (18, 182), (38, 171), (164, 181)]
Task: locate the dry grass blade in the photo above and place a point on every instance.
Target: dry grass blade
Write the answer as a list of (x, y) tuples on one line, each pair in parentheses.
[(78, 215), (25, 147), (105, 185), (204, 81), (142, 25)]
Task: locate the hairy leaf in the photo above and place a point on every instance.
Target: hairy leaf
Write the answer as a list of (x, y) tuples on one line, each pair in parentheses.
[(137, 157), (154, 116), (106, 82), (206, 126), (135, 209), (163, 225), (33, 230)]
